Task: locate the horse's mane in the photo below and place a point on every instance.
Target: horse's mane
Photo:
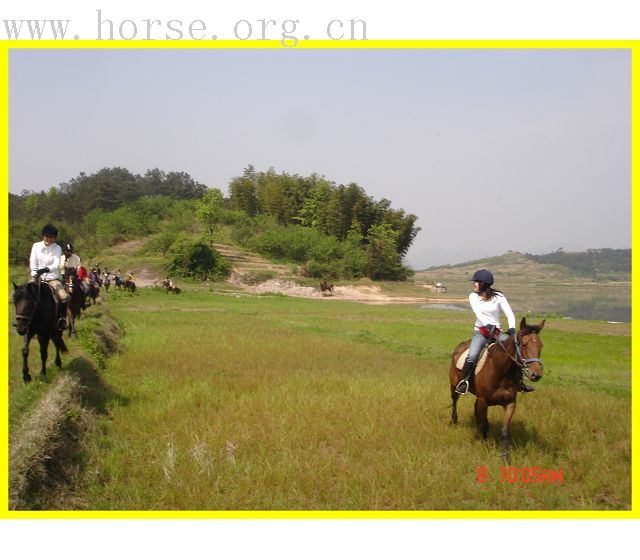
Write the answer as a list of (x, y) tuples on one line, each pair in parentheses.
[(24, 290), (30, 289)]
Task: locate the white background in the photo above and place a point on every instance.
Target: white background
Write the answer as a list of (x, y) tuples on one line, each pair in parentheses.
[(397, 19), (329, 539)]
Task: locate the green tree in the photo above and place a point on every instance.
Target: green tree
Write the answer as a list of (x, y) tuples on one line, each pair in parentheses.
[(209, 210), (243, 192), (383, 260)]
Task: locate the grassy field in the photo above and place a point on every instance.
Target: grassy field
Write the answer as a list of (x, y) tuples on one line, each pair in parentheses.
[(227, 402)]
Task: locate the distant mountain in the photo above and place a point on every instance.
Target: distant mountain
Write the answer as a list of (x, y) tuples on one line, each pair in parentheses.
[(605, 264), (593, 284)]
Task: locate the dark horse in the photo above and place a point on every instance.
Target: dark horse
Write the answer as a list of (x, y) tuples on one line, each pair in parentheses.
[(36, 315), (170, 287), (130, 285), (118, 281), (498, 382), (73, 286), (326, 288), (94, 291)]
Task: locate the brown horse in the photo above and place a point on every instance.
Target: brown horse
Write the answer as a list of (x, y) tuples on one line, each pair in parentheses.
[(498, 382), (326, 288), (94, 291)]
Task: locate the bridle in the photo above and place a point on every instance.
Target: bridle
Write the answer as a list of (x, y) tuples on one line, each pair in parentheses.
[(520, 360), (29, 319)]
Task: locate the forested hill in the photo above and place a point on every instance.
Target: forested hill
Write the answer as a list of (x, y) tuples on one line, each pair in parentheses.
[(590, 262), (604, 264), (331, 229)]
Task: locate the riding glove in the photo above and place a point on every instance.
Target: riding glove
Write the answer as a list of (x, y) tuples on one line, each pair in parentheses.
[(42, 270), (511, 331)]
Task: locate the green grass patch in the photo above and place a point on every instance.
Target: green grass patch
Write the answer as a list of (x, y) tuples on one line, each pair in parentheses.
[(231, 402)]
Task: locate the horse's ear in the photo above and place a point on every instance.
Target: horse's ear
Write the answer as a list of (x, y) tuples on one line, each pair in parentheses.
[(523, 323), (541, 324), (15, 286)]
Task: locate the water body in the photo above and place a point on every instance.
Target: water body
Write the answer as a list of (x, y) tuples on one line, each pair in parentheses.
[(446, 306)]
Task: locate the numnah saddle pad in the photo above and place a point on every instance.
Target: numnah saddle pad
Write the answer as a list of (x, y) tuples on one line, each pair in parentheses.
[(480, 362)]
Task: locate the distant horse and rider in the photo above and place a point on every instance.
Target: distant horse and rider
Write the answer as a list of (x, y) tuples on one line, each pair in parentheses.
[(498, 380), (129, 284), (94, 291), (124, 283), (326, 289), (118, 281), (168, 285), (76, 304), (106, 282)]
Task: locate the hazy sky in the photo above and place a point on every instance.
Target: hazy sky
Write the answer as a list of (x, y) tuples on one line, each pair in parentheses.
[(493, 150)]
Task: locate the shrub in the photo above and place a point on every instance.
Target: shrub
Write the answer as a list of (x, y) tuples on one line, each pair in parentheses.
[(160, 243), (197, 259)]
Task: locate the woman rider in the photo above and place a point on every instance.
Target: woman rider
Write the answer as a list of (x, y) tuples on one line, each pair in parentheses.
[(70, 264), (486, 303)]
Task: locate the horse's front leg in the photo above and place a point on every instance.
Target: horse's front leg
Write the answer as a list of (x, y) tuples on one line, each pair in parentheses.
[(509, 409), (25, 359), (44, 344), (480, 409), (72, 324), (454, 405)]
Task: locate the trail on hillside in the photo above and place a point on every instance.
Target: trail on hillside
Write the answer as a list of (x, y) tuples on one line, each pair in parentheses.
[(251, 273)]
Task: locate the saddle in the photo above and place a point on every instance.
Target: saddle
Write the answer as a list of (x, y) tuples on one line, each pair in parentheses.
[(482, 358)]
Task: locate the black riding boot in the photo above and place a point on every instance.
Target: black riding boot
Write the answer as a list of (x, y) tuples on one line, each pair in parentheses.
[(62, 316), (467, 371)]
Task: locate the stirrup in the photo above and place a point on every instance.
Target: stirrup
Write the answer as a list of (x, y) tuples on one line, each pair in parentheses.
[(462, 387), (62, 323)]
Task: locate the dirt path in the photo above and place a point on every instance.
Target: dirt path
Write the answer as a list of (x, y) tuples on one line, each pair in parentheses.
[(362, 294)]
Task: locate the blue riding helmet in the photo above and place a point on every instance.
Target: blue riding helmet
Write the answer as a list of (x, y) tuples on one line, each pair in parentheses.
[(483, 275)]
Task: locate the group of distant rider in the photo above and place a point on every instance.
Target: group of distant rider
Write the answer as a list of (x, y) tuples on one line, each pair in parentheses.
[(48, 263), (51, 263)]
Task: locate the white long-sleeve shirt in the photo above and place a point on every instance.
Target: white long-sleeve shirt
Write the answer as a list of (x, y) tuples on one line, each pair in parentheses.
[(488, 311), (72, 261), (45, 256)]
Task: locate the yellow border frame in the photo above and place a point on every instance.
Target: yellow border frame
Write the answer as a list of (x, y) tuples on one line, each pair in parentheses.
[(633, 46)]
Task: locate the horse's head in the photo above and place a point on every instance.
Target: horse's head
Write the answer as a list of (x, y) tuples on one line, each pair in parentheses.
[(25, 298), (531, 348)]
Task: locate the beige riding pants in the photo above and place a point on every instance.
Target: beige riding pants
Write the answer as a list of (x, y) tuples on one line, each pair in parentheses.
[(59, 289)]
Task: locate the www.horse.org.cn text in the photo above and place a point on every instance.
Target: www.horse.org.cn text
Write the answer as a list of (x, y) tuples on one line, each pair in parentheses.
[(526, 475), (289, 31)]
